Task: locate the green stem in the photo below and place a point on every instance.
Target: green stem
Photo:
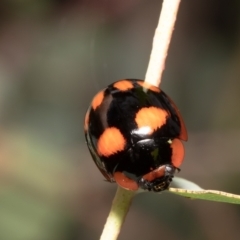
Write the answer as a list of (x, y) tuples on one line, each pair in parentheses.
[(163, 34), (116, 217)]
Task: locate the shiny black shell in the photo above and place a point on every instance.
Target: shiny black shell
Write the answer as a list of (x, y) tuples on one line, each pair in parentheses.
[(121, 112)]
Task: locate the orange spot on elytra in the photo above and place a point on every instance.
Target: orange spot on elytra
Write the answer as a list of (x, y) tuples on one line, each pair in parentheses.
[(177, 152), (149, 86), (125, 182), (157, 173), (111, 142), (97, 100), (86, 121), (151, 117), (123, 85)]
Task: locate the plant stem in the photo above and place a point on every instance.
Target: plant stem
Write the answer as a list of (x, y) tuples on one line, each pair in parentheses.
[(119, 210), (161, 41)]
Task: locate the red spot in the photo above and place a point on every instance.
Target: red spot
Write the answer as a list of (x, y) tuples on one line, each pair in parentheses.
[(86, 121), (97, 100), (177, 152), (125, 182), (149, 86), (157, 173), (151, 117), (123, 85), (111, 142)]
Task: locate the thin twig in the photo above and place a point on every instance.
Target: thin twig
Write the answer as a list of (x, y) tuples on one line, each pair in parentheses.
[(119, 210), (123, 198), (161, 41)]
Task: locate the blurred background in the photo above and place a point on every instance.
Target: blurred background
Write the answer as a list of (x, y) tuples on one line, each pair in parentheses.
[(54, 56)]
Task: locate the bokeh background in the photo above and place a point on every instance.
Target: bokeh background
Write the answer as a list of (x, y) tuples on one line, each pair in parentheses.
[(54, 56)]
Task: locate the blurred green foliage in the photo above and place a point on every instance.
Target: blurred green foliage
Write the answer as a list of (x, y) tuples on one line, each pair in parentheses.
[(54, 56)]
